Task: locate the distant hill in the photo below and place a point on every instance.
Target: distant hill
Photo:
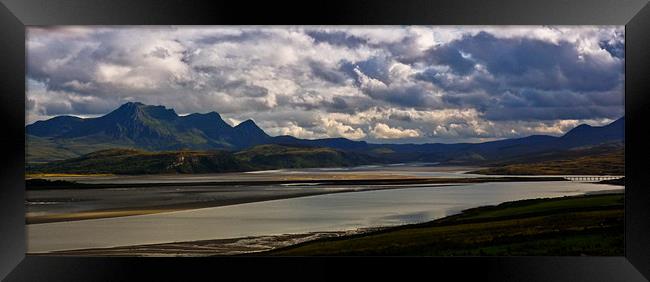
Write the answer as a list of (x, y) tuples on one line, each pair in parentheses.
[(592, 161), (130, 161), (277, 156), (156, 128), (476, 153), (583, 136)]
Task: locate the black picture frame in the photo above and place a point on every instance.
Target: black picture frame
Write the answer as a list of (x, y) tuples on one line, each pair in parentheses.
[(16, 14)]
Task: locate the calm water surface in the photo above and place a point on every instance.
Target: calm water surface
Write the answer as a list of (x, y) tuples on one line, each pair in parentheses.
[(327, 212)]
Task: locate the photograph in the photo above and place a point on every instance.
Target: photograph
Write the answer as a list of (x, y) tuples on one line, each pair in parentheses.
[(325, 140)]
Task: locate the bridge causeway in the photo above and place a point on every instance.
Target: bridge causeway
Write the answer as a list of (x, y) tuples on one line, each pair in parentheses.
[(592, 178)]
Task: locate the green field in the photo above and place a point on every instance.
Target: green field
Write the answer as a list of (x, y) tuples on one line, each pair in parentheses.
[(569, 226)]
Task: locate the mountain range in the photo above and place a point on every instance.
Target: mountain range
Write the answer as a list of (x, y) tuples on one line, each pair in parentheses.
[(156, 128)]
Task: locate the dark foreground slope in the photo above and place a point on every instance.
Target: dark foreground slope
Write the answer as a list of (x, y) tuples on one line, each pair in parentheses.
[(568, 226)]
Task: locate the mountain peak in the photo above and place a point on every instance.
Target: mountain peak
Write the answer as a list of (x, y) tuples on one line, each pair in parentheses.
[(129, 107), (587, 134), (620, 121), (247, 123), (582, 127), (585, 127), (210, 123), (578, 130), (136, 109), (205, 115), (213, 113), (133, 104), (250, 133)]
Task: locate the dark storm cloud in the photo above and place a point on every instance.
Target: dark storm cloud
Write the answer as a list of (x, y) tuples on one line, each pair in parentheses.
[(400, 117), (406, 96), (336, 104), (243, 88), (336, 38), (249, 35), (478, 100), (328, 74), (339, 104), (450, 55), (455, 83), (405, 51), (616, 49), (531, 63), (375, 67), (526, 78), (68, 68), (532, 104), (556, 113)]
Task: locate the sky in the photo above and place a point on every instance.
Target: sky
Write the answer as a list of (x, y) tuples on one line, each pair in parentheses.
[(381, 84)]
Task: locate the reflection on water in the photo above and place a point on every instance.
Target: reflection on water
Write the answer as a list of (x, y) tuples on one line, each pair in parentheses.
[(328, 212)]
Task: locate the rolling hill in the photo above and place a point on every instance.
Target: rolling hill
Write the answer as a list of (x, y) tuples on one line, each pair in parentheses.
[(592, 161), (131, 161)]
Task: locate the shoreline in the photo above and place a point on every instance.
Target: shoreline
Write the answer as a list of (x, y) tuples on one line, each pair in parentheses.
[(260, 245), (375, 184), (215, 247), (401, 180)]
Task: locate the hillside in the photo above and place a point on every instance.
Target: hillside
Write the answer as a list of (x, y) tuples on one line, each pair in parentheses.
[(592, 162), (277, 156), (131, 161)]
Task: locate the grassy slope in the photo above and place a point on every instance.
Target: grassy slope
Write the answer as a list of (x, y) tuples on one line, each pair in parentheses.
[(129, 161), (42, 150), (609, 163), (583, 225), (277, 156)]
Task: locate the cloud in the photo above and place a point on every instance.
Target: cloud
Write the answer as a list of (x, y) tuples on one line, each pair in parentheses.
[(380, 84), (383, 131), (296, 131), (339, 38), (449, 55), (323, 72), (524, 62), (336, 128)]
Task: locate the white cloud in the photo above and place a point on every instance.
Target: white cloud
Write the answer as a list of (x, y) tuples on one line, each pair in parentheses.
[(383, 131), (296, 131), (336, 128)]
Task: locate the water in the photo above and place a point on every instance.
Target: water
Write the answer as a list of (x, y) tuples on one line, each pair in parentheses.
[(329, 212)]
